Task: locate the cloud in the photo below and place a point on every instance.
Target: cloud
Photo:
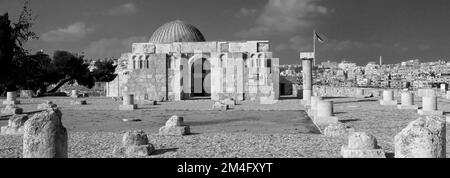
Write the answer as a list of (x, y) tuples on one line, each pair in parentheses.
[(111, 47), (304, 44), (128, 8), (244, 12), (73, 32), (284, 16)]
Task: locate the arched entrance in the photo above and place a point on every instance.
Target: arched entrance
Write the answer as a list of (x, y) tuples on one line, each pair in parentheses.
[(200, 78)]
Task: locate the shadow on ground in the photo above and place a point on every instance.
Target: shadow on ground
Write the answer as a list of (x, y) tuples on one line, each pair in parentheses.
[(213, 122), (357, 101), (162, 151)]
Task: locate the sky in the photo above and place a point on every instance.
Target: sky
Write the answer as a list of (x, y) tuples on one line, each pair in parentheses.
[(356, 30)]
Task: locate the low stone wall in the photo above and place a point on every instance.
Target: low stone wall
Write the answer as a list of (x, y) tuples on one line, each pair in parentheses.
[(328, 91)]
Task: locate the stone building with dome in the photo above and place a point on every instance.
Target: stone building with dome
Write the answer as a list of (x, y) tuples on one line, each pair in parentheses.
[(179, 64)]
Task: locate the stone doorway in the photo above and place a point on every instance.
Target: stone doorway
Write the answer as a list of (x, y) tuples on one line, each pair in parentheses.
[(201, 78)]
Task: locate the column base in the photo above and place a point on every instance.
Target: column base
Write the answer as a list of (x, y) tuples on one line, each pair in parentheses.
[(430, 113), (372, 153), (11, 102), (415, 107), (127, 107), (325, 121), (388, 103)]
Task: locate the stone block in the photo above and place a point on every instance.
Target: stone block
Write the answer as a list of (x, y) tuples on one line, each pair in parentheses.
[(422, 138), (78, 102), (337, 130), (372, 153), (175, 121), (388, 103), (174, 130), (134, 143), (325, 121), (220, 106), (46, 105), (430, 113), (229, 102), (11, 109), (6, 102), (127, 107), (45, 136), (175, 127), (362, 145), (151, 102), (15, 125), (415, 107), (26, 93)]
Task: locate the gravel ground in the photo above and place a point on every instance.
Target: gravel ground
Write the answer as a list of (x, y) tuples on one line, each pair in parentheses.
[(219, 145), (244, 133)]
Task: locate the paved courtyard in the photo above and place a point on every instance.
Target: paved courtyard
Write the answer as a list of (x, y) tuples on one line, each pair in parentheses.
[(248, 130)]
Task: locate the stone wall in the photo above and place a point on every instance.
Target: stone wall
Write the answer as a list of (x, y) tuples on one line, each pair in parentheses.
[(328, 91), (151, 83), (241, 70)]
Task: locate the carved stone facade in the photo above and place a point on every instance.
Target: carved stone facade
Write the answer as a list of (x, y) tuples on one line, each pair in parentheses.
[(185, 70)]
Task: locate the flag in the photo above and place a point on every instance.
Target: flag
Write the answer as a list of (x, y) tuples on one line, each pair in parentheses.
[(320, 37)]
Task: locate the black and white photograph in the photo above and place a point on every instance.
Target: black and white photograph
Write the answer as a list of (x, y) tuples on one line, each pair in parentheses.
[(224, 86)]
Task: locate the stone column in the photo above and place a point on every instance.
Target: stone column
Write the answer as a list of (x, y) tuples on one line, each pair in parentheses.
[(74, 94), (134, 143), (444, 87), (429, 106), (360, 93), (325, 109), (324, 113), (11, 98), (313, 110), (407, 101), (388, 98), (45, 136), (128, 103), (422, 138), (307, 80)]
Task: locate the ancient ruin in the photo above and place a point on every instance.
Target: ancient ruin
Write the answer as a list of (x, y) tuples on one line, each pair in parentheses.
[(422, 138), (325, 114), (11, 98), (388, 98), (429, 106), (15, 125), (179, 64), (45, 136), (175, 127), (407, 101), (134, 143), (128, 103), (362, 145)]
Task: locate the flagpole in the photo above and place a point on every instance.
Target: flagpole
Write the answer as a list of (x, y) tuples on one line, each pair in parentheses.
[(314, 46)]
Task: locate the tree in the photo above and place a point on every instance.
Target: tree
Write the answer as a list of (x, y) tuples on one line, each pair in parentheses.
[(104, 71), (68, 67), (35, 73), (12, 53)]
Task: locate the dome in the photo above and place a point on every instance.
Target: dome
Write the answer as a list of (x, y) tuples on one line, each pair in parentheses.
[(177, 31)]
